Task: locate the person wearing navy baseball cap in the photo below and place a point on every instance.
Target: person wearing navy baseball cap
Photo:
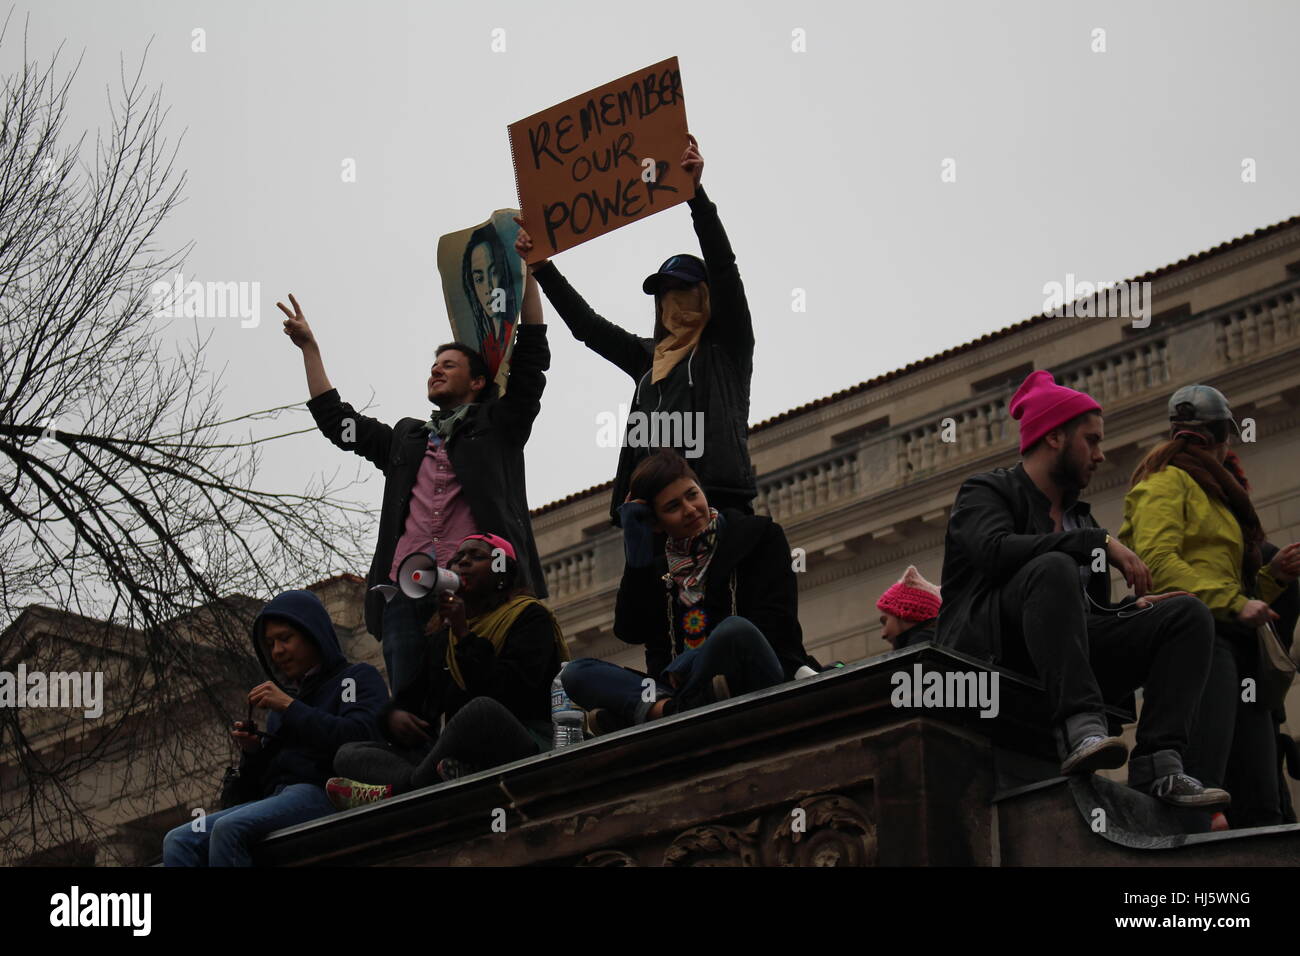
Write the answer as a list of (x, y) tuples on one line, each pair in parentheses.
[(683, 267), (1026, 584), (693, 374)]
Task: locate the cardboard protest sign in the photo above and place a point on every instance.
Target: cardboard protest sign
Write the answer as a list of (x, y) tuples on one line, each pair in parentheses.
[(602, 159), (483, 286)]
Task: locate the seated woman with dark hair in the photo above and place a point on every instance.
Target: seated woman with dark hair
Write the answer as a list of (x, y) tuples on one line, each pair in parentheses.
[(1190, 517), (717, 611), (491, 655)]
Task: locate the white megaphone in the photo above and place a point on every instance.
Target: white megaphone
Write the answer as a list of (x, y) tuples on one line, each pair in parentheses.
[(419, 574)]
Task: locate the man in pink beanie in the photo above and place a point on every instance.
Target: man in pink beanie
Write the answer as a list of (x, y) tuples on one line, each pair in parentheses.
[(1026, 583), (908, 610), (1041, 405)]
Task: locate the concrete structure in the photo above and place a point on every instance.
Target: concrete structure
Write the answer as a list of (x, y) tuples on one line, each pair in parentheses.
[(818, 772)]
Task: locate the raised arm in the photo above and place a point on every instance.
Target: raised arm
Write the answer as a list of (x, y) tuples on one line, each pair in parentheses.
[(301, 335), (730, 322), (531, 312), (609, 341), (338, 421), (516, 410)]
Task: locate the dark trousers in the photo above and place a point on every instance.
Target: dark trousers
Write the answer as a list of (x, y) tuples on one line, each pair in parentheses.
[(1087, 658), (404, 643), (1235, 741), (735, 648), (481, 734), (1286, 604)]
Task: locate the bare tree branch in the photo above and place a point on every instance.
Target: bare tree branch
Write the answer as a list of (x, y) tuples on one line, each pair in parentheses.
[(135, 537)]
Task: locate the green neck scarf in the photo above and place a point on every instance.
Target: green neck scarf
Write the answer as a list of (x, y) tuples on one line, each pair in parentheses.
[(445, 423)]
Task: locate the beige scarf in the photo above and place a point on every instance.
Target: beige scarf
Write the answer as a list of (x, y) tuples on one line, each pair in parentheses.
[(495, 626), (684, 313)]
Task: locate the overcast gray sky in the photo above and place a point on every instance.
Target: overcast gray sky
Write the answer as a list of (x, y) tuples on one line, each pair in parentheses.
[(825, 166)]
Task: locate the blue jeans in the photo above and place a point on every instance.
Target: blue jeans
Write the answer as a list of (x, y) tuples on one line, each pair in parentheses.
[(229, 834), (404, 643), (735, 648)]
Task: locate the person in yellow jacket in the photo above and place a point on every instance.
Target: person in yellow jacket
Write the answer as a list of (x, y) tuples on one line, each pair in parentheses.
[(1189, 517)]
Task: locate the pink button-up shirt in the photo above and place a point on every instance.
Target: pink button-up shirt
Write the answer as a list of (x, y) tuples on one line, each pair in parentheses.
[(439, 517)]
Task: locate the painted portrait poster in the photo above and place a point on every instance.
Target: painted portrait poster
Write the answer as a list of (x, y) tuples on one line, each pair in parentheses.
[(483, 285)]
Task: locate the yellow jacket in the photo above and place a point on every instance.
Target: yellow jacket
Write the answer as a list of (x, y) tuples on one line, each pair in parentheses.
[(1191, 542)]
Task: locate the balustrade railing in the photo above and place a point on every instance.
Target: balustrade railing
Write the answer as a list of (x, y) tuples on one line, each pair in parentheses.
[(968, 431)]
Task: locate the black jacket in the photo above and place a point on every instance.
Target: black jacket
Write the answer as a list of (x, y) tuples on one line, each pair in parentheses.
[(519, 676), (718, 371), (917, 634), (301, 741), (753, 552), (486, 452), (1000, 521)]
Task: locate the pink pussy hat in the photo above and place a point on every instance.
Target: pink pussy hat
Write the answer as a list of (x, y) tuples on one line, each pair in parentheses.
[(912, 597), (1041, 405)]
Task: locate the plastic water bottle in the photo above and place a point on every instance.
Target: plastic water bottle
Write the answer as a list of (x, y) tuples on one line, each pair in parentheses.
[(566, 718)]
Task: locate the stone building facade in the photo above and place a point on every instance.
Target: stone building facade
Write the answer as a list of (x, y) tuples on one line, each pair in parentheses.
[(863, 480)]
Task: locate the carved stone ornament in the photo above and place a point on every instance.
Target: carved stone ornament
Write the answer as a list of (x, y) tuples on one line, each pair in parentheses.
[(715, 846), (832, 830), (827, 829), (608, 858)]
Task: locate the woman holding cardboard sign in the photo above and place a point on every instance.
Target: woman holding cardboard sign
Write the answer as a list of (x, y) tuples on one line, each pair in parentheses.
[(693, 375)]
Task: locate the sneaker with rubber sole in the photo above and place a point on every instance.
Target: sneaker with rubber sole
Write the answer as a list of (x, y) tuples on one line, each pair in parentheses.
[(1180, 790), (1095, 753), (449, 768), (347, 794)]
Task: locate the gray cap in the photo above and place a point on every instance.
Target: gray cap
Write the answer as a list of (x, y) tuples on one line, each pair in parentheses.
[(1200, 403)]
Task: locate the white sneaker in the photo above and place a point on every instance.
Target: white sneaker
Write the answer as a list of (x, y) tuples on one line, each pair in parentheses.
[(1095, 753)]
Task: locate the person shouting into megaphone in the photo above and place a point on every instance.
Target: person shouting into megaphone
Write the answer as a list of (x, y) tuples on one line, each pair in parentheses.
[(491, 653)]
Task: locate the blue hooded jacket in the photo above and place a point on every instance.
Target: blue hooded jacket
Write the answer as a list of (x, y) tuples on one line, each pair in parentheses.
[(336, 704)]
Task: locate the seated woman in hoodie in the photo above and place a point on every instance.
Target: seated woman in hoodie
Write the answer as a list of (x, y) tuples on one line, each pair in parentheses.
[(491, 655), (317, 702), (909, 610), (726, 624)]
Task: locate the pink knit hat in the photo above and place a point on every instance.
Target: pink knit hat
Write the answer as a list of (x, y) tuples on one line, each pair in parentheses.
[(1041, 405), (912, 597)]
